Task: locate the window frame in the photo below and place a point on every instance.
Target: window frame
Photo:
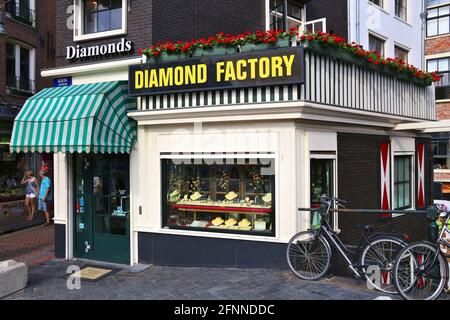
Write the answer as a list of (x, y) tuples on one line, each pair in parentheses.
[(402, 48), (382, 4), (410, 182), (438, 34), (406, 7), (274, 216), (274, 13), (379, 38), (78, 30), (18, 64)]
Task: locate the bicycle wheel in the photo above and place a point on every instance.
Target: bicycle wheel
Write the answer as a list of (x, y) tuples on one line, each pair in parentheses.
[(381, 253), (308, 255), (418, 275)]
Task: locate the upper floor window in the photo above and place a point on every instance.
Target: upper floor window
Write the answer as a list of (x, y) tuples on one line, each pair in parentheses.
[(438, 21), (432, 3), (442, 67), (20, 65), (441, 152), (103, 15), (401, 9), (379, 3), (294, 14), (377, 44), (22, 10), (401, 53), (100, 18)]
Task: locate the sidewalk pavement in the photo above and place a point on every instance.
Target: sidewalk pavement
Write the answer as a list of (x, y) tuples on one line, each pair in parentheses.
[(32, 246), (47, 281)]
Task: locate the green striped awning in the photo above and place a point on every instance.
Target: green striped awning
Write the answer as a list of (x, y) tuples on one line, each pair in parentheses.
[(83, 118)]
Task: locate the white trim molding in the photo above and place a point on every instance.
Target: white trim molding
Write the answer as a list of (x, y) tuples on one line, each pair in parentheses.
[(78, 33)]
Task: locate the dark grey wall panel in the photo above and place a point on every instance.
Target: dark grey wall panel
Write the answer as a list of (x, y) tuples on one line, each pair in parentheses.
[(60, 241), (176, 250)]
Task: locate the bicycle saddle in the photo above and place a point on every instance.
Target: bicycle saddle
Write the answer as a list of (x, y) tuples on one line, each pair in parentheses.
[(366, 227)]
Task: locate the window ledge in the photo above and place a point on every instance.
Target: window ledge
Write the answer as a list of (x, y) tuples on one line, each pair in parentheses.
[(99, 35), (437, 36), (383, 10), (403, 21)]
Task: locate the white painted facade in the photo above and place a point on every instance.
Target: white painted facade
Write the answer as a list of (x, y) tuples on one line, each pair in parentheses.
[(366, 18)]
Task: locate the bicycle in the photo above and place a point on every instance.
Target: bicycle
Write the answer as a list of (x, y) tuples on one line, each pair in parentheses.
[(309, 252), (421, 269)]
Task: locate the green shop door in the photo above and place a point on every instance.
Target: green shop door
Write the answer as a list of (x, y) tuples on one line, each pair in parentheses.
[(102, 207)]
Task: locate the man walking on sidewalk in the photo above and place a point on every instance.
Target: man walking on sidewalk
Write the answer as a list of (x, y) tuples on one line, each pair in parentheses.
[(45, 196)]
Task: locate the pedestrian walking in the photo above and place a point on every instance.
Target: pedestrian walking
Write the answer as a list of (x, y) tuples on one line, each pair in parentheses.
[(45, 196), (31, 191)]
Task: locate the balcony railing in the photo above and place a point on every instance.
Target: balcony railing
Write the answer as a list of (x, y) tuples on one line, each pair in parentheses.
[(21, 13), (20, 84)]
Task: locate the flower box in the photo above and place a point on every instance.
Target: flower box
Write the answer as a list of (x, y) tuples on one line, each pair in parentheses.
[(280, 43), (164, 57), (214, 51)]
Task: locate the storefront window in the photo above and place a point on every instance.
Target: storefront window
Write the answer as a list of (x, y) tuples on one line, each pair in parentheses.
[(12, 168), (231, 196), (402, 182)]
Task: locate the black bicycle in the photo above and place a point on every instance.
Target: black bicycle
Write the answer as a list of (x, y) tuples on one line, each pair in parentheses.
[(421, 270), (309, 252)]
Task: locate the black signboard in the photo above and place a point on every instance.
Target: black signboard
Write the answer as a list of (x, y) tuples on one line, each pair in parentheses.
[(280, 66)]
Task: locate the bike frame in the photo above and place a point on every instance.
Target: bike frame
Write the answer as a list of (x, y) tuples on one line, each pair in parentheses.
[(440, 241), (326, 229)]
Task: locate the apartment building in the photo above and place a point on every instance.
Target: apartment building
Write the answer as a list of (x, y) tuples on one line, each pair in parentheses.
[(27, 42)]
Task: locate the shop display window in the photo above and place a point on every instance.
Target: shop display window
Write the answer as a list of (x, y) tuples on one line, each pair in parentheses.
[(12, 169), (230, 195)]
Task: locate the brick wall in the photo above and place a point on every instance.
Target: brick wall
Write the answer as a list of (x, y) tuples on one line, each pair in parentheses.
[(336, 14), (160, 20), (193, 19), (359, 183), (443, 110), (36, 37), (437, 45)]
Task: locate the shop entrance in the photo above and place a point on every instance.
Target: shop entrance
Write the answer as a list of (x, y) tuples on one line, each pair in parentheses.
[(102, 207)]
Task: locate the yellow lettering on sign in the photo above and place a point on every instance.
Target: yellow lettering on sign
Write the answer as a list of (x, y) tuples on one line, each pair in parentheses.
[(264, 68), (241, 75), (165, 77), (146, 79), (252, 63), (219, 70), (189, 75), (139, 80), (202, 73), (229, 72), (289, 62), (153, 83), (178, 76), (277, 66)]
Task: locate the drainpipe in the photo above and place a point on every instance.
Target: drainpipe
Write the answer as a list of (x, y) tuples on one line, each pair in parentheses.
[(358, 21), (285, 19), (423, 17)]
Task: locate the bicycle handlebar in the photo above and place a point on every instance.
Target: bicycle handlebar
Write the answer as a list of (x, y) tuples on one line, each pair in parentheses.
[(327, 198)]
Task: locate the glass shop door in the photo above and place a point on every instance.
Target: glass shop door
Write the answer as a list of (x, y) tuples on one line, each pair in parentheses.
[(322, 182), (102, 207)]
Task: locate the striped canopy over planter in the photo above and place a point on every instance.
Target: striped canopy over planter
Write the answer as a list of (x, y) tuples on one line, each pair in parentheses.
[(84, 118)]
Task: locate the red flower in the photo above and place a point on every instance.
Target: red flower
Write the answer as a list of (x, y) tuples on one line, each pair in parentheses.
[(310, 38), (139, 52), (155, 53)]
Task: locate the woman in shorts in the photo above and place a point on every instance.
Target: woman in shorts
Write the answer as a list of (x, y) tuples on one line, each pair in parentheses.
[(31, 192)]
